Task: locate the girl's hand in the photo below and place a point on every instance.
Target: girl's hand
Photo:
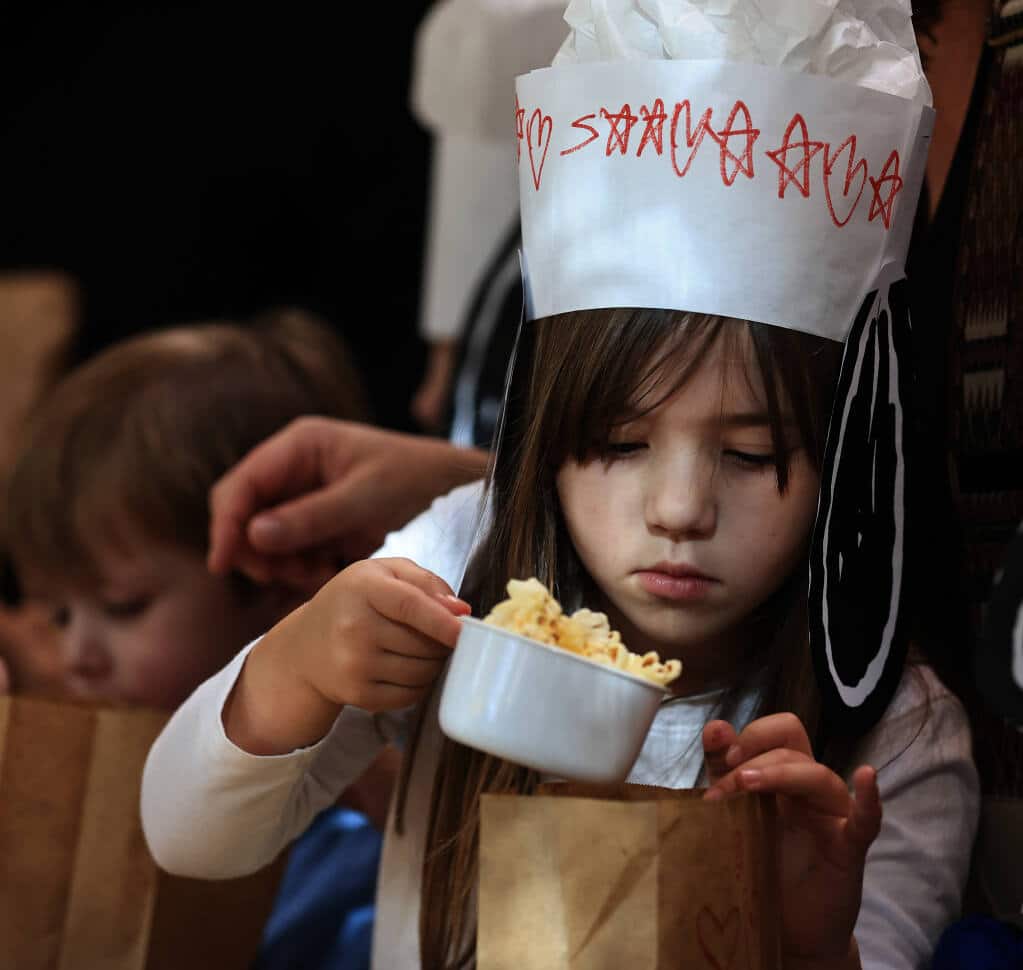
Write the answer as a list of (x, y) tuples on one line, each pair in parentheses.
[(825, 831), (376, 636)]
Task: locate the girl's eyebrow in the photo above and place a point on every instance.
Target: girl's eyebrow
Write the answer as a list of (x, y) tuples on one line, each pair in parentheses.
[(750, 419)]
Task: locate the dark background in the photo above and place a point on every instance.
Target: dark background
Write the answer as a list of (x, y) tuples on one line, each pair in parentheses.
[(191, 161)]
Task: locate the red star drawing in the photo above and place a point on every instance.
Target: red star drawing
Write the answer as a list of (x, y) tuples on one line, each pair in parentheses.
[(616, 137), (743, 161), (799, 174), (654, 130), (883, 208)]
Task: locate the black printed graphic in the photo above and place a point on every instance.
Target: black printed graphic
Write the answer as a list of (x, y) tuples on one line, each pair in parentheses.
[(998, 663), (857, 576)]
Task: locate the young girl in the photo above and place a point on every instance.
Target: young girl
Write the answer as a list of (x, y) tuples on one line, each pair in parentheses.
[(663, 467)]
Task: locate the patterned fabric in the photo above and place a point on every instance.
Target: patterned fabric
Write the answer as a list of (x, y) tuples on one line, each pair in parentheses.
[(987, 364)]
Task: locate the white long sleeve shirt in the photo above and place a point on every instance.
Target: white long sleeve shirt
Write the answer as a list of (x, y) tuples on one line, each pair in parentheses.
[(211, 810)]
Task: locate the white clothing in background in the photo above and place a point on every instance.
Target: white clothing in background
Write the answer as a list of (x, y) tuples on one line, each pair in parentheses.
[(467, 56)]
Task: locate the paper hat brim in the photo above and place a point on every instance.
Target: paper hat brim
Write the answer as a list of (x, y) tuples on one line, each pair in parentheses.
[(716, 187)]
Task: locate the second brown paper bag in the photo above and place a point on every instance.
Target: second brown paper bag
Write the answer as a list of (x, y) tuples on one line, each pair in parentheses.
[(588, 877), (79, 889)]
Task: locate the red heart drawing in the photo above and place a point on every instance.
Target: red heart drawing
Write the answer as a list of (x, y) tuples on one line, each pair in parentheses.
[(719, 939), (542, 126), (850, 170)]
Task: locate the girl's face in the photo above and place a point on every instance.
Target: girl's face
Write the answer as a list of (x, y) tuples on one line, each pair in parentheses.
[(157, 626), (681, 524)]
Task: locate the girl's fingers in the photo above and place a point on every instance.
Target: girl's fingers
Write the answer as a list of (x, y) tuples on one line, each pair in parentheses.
[(865, 818), (429, 583), (819, 788), (400, 641), (416, 602), (763, 734), (404, 671), (388, 697), (729, 783), (718, 737)]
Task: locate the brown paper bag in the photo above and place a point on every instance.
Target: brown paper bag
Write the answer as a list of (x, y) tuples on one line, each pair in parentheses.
[(626, 877), (78, 888)]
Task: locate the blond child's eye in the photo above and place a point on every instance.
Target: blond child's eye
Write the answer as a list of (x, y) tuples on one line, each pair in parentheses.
[(126, 609), (60, 616)]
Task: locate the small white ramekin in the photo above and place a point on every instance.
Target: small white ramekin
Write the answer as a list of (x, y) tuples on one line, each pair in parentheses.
[(545, 707)]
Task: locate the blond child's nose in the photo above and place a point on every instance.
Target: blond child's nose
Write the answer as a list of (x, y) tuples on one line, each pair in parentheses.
[(84, 654)]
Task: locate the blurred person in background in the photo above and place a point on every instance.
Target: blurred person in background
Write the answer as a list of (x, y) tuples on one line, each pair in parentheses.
[(108, 524), (467, 55)]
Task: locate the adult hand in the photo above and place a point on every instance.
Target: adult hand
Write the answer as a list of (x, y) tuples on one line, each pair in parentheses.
[(825, 831), (323, 492)]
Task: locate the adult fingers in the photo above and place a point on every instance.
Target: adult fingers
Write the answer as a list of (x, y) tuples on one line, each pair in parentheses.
[(718, 737), (286, 464), (865, 818), (327, 514), (773, 731)]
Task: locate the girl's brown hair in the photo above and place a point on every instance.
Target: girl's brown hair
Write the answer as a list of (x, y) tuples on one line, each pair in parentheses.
[(579, 375), (129, 444)]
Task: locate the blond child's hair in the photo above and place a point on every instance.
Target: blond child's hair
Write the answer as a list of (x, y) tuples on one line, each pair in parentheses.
[(128, 445)]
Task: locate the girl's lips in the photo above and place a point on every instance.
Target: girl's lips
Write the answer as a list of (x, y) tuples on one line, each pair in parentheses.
[(686, 588)]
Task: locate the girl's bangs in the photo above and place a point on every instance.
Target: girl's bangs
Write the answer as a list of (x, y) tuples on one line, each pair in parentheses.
[(617, 366), (598, 370)]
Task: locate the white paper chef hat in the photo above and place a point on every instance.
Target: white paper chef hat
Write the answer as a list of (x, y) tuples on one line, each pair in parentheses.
[(758, 159)]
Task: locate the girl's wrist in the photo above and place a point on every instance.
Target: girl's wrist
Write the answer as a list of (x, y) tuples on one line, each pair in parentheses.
[(272, 710), (850, 960)]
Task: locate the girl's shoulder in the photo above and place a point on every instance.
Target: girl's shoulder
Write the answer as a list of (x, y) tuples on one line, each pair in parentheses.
[(443, 537), (920, 688), (925, 726)]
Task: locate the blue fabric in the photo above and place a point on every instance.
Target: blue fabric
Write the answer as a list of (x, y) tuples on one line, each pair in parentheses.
[(979, 943), (323, 916)]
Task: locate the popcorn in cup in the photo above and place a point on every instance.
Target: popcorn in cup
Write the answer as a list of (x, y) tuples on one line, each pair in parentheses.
[(559, 694)]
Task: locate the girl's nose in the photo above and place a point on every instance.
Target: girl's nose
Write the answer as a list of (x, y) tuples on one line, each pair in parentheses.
[(681, 501)]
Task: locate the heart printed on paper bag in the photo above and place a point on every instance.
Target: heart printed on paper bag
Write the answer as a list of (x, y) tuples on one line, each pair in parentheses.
[(719, 939), (538, 136), (851, 169)]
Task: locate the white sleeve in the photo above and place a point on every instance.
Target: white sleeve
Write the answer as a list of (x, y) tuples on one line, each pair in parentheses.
[(213, 811), (443, 538), (917, 867)]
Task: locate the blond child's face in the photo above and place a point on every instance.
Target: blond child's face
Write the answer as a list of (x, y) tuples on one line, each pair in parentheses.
[(157, 626), (681, 525)]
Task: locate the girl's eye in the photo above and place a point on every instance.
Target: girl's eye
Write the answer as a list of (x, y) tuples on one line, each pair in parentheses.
[(126, 609), (619, 449), (749, 459)]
